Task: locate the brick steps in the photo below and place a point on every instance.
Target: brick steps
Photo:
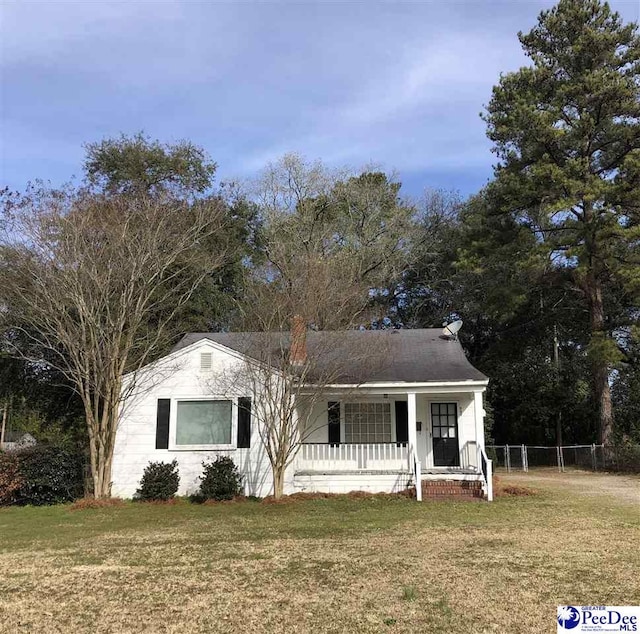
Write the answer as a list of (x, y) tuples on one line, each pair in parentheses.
[(452, 490)]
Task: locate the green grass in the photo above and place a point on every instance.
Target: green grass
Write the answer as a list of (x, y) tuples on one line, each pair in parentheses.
[(409, 593), (332, 565)]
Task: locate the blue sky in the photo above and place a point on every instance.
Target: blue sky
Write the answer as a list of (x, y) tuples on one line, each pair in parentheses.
[(396, 84)]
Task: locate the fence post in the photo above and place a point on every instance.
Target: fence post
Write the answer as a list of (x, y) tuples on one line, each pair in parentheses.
[(507, 458), (523, 454), (593, 457), (558, 457)]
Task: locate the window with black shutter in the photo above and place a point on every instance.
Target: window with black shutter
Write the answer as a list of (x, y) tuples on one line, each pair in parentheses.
[(162, 423), (333, 416), (244, 422), (402, 422)]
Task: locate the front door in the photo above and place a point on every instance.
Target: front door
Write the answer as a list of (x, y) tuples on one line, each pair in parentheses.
[(444, 432)]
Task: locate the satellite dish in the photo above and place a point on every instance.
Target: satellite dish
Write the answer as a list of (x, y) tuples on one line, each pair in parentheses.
[(451, 329)]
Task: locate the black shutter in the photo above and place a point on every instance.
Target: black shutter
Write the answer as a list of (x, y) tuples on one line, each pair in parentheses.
[(333, 416), (244, 422), (402, 422), (162, 423)]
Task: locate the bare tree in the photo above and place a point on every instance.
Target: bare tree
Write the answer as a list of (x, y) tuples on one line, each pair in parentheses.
[(330, 242), (91, 283), (290, 374)]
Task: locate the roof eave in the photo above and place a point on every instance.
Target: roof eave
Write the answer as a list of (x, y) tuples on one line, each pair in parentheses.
[(408, 384)]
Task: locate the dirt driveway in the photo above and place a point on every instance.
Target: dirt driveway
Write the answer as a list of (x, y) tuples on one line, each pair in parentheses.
[(624, 488)]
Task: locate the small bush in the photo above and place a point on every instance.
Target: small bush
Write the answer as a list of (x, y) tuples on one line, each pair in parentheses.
[(39, 475), (10, 479), (220, 480), (160, 481)]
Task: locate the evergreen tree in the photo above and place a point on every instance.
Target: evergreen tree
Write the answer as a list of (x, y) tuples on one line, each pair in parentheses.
[(567, 134)]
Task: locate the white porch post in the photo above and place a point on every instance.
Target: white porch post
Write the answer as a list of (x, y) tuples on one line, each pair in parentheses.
[(413, 441), (479, 413)]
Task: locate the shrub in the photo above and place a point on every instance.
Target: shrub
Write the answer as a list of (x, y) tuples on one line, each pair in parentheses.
[(623, 456), (160, 481), (10, 480), (39, 475), (220, 480)]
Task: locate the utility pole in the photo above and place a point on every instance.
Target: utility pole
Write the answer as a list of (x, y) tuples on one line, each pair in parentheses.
[(556, 361)]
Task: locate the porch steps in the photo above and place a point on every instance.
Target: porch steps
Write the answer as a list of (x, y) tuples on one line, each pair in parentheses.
[(452, 490)]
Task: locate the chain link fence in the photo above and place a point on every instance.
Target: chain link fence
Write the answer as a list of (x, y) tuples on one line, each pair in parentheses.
[(588, 457)]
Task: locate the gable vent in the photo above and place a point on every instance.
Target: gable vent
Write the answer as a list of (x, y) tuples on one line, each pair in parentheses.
[(206, 361)]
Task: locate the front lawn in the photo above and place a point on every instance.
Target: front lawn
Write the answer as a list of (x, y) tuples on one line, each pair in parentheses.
[(338, 565)]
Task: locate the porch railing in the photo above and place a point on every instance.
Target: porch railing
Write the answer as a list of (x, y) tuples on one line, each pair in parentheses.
[(486, 467), (353, 457), (415, 465)]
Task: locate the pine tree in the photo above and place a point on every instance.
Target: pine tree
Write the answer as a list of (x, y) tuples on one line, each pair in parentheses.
[(567, 134)]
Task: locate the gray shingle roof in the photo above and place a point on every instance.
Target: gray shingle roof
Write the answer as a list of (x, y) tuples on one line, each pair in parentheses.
[(411, 356)]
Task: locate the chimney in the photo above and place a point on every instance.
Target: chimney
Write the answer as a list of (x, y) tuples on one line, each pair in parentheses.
[(298, 351)]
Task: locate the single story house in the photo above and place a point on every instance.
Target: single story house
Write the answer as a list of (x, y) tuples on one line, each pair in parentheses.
[(404, 410)]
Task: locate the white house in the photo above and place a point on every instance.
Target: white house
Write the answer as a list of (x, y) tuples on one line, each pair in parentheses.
[(407, 413)]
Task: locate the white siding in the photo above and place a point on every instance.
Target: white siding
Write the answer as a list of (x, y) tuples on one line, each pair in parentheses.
[(180, 377), (467, 431), (318, 423), (346, 483), (318, 426)]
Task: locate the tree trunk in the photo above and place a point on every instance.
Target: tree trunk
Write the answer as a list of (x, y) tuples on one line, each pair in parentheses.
[(603, 399), (599, 362), (5, 415), (102, 479), (556, 360), (593, 290), (101, 446), (104, 462), (278, 482), (559, 429)]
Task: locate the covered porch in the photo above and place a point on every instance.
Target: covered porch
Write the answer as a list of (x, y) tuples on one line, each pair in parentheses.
[(376, 438)]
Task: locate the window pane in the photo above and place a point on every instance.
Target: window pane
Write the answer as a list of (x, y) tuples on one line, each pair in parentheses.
[(367, 422), (451, 409), (203, 423)]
